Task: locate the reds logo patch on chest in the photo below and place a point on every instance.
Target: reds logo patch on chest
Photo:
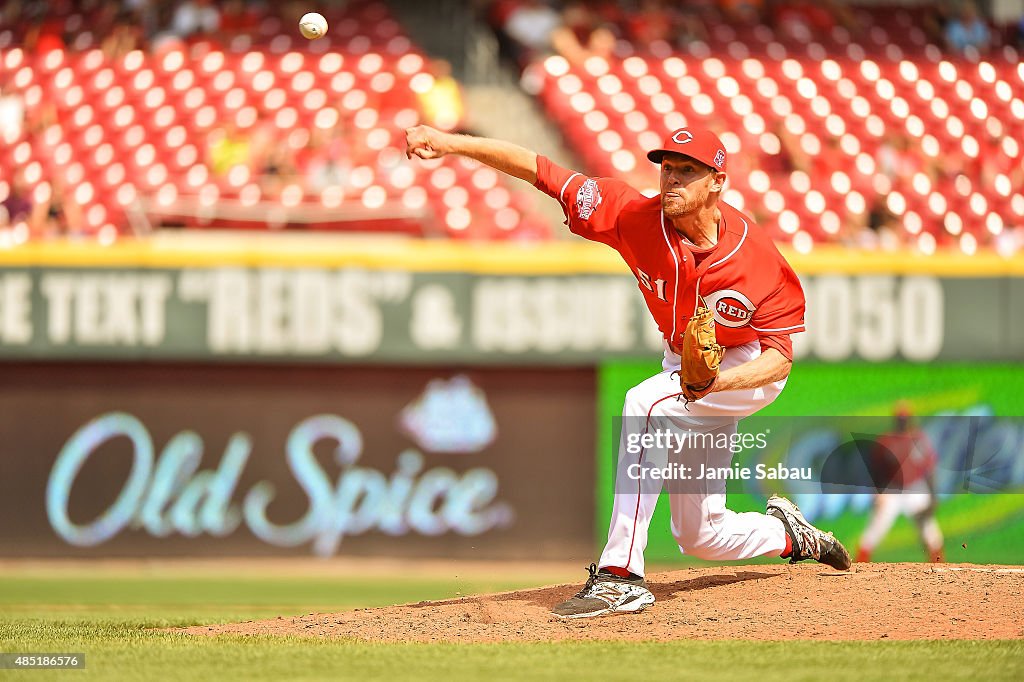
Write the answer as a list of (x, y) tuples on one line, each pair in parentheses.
[(731, 308), (588, 198)]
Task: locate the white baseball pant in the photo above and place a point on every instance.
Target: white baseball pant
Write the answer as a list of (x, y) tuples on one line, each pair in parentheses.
[(701, 524), (889, 506)]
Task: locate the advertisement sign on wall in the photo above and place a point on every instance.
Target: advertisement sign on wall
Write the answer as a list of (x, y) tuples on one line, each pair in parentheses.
[(352, 315), (830, 419), (194, 460)]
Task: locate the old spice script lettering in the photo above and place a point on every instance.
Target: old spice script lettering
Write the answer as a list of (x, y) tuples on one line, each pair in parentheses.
[(170, 494)]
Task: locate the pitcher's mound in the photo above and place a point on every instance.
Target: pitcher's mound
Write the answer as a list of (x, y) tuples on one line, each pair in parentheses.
[(873, 601)]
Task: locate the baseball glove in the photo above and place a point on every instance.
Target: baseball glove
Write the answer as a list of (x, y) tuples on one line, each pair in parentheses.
[(700, 355)]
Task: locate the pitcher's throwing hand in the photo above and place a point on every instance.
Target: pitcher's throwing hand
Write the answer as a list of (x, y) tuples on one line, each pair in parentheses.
[(424, 142)]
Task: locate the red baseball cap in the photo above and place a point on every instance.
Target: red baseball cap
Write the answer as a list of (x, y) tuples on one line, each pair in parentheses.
[(702, 145)]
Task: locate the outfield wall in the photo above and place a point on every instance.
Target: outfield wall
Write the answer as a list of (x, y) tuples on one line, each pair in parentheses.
[(415, 303), (191, 397)]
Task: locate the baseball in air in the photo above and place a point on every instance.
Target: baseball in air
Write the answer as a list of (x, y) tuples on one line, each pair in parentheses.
[(312, 25)]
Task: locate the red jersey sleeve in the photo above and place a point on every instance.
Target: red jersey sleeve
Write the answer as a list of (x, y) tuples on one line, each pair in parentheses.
[(780, 314), (591, 205), (780, 342)]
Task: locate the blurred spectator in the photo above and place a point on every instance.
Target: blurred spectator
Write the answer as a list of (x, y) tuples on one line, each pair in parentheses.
[(442, 104), (745, 12), (661, 20), (146, 14), (264, 150), (125, 35), (195, 16), (276, 169), (791, 156), (40, 117), (237, 19), (45, 35), (497, 12), (883, 227), (802, 20), (17, 205), (108, 14), (690, 29), (48, 211), (58, 216), (12, 116), (991, 162), (653, 20), (936, 17), (228, 147), (896, 159), (830, 154), (331, 158), (11, 12), (582, 34), (529, 28), (968, 31)]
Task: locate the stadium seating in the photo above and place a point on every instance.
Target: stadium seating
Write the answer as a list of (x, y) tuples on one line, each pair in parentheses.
[(839, 102), (813, 123), (130, 136)]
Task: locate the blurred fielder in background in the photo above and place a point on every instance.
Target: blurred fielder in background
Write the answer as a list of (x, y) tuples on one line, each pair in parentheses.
[(903, 466)]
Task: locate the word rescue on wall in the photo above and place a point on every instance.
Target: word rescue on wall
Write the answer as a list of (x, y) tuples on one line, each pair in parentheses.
[(352, 315)]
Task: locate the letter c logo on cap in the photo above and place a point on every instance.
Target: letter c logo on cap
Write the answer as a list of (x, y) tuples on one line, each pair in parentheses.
[(686, 136)]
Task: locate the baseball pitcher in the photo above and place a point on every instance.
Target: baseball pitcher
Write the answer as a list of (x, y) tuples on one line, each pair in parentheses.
[(726, 302)]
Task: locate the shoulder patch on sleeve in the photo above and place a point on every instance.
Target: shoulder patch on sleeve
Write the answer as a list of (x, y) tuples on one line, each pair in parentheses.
[(588, 198)]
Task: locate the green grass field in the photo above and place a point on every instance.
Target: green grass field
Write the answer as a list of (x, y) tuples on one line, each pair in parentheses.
[(109, 615)]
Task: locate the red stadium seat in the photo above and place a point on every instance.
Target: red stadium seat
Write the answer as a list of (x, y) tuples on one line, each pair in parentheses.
[(848, 107), (144, 119)]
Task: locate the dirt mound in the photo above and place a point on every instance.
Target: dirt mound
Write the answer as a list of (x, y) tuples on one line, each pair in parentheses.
[(894, 601)]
